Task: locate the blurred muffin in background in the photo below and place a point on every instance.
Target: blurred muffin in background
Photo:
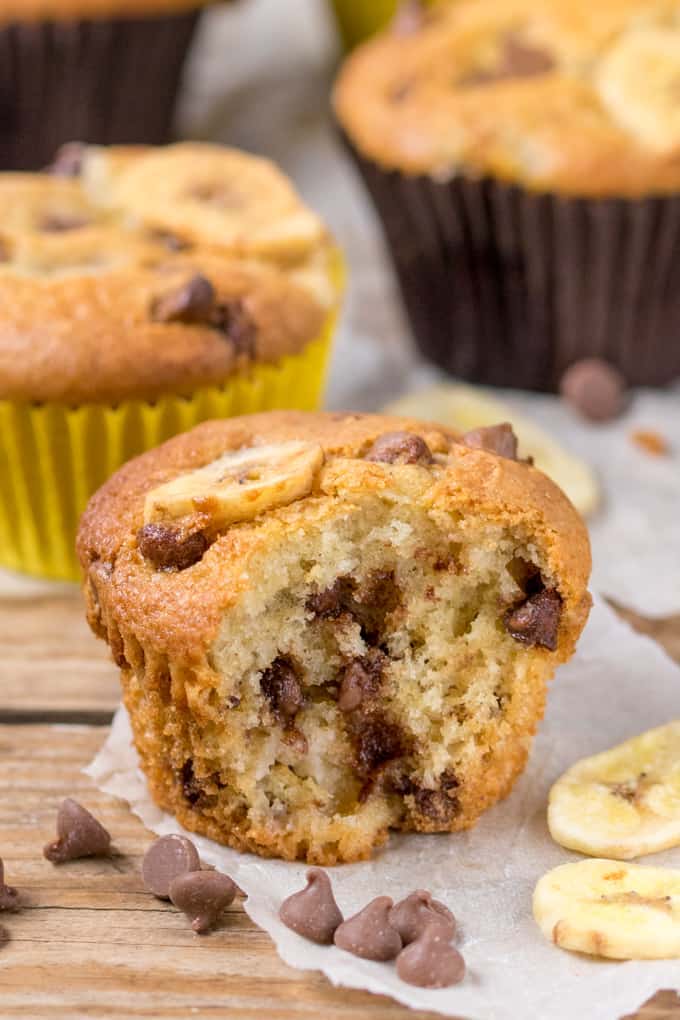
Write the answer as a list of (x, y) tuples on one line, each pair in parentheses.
[(103, 70), (150, 291), (524, 157)]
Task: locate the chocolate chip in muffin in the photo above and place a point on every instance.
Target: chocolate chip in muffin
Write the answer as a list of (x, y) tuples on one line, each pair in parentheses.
[(169, 240), (191, 788), (332, 602), (536, 621), (361, 680), (9, 896), (68, 160), (517, 59), (5, 253), (236, 323), (369, 602), (439, 806), (169, 548), (61, 223), (498, 439), (399, 448), (79, 834), (281, 687), (377, 741), (192, 302)]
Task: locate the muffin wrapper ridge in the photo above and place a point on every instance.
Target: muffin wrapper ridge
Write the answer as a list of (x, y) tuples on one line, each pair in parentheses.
[(104, 81), (52, 458), (510, 287), (357, 19)]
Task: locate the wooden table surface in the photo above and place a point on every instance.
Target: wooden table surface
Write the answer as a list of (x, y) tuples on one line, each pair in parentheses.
[(92, 942)]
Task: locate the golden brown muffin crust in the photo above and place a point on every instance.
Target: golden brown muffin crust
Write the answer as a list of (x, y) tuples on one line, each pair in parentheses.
[(564, 95), (82, 272)]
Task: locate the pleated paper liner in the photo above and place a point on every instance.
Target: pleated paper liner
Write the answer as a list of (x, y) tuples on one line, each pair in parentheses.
[(509, 287), (105, 81), (52, 458), (358, 19)]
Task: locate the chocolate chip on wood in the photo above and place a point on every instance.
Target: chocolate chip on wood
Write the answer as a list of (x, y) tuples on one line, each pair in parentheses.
[(431, 961), (369, 933), (165, 860), (79, 834), (9, 896), (312, 912), (203, 896)]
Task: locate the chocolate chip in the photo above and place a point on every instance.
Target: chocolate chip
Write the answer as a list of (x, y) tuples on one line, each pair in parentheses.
[(193, 302), (361, 680), (430, 961), (399, 448), (518, 59), (333, 601), (79, 835), (234, 320), (312, 912), (595, 389), (413, 914), (68, 160), (369, 933), (170, 549), (439, 806), (5, 254), (377, 741), (9, 896), (536, 621), (191, 788), (170, 241), (60, 223), (281, 687), (165, 860), (203, 896), (498, 439)]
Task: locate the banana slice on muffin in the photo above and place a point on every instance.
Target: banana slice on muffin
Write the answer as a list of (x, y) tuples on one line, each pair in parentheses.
[(333, 625)]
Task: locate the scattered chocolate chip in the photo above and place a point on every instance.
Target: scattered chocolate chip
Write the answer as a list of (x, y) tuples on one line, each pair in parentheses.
[(193, 302), (413, 914), (498, 439), (165, 860), (651, 442), (518, 59), (399, 448), (68, 160), (60, 223), (79, 835), (369, 933), (169, 548), (9, 897), (281, 687), (312, 912), (361, 680), (203, 896), (536, 621), (595, 389), (431, 961), (236, 323)]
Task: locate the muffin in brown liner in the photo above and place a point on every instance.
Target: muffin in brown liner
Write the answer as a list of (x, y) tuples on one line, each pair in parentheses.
[(508, 287), (104, 80)]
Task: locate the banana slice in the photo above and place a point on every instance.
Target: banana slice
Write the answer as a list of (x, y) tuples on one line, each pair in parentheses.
[(624, 802), (464, 407), (604, 908), (239, 485), (639, 83)]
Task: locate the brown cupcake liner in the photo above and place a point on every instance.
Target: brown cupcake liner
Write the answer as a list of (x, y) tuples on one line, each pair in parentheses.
[(509, 287), (103, 81)]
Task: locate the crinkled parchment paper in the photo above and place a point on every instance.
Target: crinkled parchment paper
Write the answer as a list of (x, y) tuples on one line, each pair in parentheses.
[(617, 685)]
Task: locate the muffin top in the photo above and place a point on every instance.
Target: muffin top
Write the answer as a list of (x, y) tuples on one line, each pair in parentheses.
[(168, 538), (131, 272), (576, 96)]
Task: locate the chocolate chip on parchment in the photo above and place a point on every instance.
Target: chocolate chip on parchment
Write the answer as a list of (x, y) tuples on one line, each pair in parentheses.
[(165, 860), (280, 685), (536, 621), (369, 933), (9, 896), (68, 160), (414, 913), (431, 961), (594, 388), (312, 912), (169, 548), (79, 834), (203, 896), (193, 302), (399, 448), (498, 439)]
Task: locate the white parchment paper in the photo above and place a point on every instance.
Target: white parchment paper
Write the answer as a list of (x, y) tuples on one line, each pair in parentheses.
[(617, 685)]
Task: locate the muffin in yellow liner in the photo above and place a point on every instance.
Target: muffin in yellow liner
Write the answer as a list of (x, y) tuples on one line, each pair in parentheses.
[(358, 19), (152, 291)]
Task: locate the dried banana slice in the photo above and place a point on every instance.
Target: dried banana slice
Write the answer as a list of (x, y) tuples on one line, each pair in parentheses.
[(605, 908), (622, 803), (464, 407), (639, 82), (239, 485)]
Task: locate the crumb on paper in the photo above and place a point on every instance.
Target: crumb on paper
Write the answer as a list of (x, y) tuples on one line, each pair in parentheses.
[(651, 442)]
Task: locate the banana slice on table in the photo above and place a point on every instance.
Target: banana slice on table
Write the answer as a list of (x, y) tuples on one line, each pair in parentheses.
[(639, 82), (463, 408), (624, 802), (240, 485), (605, 908)]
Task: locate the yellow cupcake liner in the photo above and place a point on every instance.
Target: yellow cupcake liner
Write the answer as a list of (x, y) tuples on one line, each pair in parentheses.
[(359, 19), (52, 457)]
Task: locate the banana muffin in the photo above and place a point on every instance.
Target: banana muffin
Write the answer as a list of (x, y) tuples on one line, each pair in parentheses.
[(143, 291), (333, 625), (524, 156)]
